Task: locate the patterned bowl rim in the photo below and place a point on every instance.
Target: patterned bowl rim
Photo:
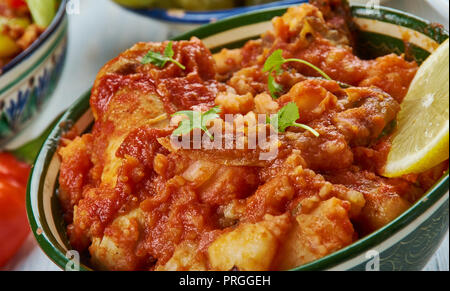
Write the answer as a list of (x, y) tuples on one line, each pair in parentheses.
[(56, 22), (204, 17), (79, 115)]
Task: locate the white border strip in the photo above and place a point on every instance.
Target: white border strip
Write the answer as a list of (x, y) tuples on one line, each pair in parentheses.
[(370, 25), (400, 32), (240, 33)]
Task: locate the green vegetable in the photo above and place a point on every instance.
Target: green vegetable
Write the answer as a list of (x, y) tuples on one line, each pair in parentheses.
[(196, 120), (43, 11), (275, 62), (287, 116), (160, 60)]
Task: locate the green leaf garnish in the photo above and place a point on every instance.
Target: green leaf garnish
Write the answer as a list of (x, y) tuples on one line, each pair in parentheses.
[(287, 116), (196, 119), (160, 60), (275, 62)]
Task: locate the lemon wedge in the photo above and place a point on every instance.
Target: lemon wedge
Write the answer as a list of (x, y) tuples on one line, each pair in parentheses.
[(422, 137)]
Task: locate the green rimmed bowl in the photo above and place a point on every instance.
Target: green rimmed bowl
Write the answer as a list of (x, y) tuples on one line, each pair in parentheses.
[(28, 81), (405, 244)]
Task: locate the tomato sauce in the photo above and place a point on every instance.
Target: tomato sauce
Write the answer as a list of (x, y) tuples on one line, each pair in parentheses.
[(136, 203)]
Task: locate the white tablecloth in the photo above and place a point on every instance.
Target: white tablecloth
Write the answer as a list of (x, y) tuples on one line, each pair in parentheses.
[(98, 33)]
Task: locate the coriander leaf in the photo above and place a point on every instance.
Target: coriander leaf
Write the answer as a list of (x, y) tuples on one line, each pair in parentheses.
[(168, 51), (311, 66), (154, 58), (273, 86), (287, 116), (210, 115), (184, 127), (275, 62), (196, 120), (160, 60)]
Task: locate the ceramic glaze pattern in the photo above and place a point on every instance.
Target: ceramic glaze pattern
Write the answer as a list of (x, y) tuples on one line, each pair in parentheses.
[(19, 106), (413, 252)]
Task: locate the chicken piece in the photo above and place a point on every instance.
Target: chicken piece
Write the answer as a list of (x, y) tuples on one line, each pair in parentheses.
[(364, 123), (249, 247), (264, 104), (235, 104), (330, 151), (185, 258), (218, 185), (116, 250), (323, 231), (290, 185), (380, 210), (313, 98), (309, 185), (228, 61), (385, 199), (323, 39), (227, 184), (391, 74), (339, 19), (249, 80), (75, 166)]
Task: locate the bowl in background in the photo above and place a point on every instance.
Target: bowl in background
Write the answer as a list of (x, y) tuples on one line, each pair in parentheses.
[(181, 21), (407, 243), (30, 78)]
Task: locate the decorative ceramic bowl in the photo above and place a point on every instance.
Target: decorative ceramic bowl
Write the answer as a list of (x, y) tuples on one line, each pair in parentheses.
[(30, 78), (405, 244), (180, 16)]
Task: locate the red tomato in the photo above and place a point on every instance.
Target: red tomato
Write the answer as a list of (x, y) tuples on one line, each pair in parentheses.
[(17, 3), (13, 217)]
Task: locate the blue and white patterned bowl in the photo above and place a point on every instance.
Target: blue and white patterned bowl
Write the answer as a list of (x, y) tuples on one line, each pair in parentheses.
[(30, 78), (179, 16)]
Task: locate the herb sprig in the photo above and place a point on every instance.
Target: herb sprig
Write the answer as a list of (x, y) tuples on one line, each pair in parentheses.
[(196, 119), (288, 116), (160, 60), (275, 62)]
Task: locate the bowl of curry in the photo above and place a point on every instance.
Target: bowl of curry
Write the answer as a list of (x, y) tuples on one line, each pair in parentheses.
[(132, 178), (32, 56)]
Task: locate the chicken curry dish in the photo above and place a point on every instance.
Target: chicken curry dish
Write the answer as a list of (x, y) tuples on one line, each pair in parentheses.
[(135, 197)]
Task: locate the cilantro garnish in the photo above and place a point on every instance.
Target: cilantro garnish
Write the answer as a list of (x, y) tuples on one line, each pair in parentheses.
[(160, 60), (196, 119), (287, 116), (274, 64)]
